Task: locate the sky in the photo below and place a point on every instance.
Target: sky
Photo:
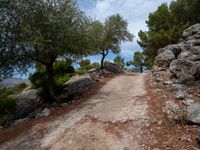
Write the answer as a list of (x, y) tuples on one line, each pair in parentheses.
[(134, 11)]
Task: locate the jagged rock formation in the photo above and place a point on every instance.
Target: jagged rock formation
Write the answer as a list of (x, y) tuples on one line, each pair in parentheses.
[(28, 101), (30, 104), (175, 67), (180, 62), (79, 84)]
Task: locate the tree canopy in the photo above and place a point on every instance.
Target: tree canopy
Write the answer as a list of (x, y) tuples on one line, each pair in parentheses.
[(42, 32), (12, 60), (119, 61), (166, 24), (109, 35)]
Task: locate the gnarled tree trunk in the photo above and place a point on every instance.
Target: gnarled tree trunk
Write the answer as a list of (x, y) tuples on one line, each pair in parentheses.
[(104, 54), (50, 82)]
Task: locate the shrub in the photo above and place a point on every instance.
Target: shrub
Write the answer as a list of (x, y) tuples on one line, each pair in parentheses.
[(38, 79), (63, 67), (7, 105), (62, 72), (17, 89), (59, 81)]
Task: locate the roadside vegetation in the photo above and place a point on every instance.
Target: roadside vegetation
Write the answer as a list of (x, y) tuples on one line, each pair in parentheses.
[(8, 100), (52, 35), (42, 33)]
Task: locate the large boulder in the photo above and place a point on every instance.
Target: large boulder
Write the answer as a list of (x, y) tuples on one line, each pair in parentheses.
[(173, 111), (183, 59), (194, 30), (184, 70), (163, 59), (113, 68), (197, 65), (187, 55), (28, 101), (162, 75), (193, 113), (175, 48), (77, 85)]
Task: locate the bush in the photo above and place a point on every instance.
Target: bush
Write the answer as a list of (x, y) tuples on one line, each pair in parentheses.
[(7, 105), (63, 67), (17, 89), (38, 79), (59, 81), (81, 71), (62, 72)]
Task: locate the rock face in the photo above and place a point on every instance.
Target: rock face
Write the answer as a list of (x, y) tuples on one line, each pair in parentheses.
[(28, 101), (80, 84), (181, 60), (193, 113), (174, 111), (77, 85), (113, 68)]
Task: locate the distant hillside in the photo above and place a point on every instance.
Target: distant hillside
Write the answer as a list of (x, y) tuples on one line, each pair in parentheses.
[(11, 82)]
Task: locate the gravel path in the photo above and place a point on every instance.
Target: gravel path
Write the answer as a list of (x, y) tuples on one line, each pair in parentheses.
[(112, 119)]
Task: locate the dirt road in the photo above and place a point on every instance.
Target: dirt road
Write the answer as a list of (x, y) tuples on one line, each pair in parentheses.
[(112, 119)]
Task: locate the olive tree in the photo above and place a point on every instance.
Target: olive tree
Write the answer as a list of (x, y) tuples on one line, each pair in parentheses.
[(11, 60), (119, 61), (50, 30), (109, 35)]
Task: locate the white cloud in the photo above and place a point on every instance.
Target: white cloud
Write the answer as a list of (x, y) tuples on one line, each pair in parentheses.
[(134, 11)]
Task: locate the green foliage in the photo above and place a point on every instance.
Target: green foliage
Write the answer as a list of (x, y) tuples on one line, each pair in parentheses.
[(63, 67), (138, 59), (85, 66), (62, 72), (7, 104), (38, 79), (8, 100), (11, 55), (41, 31), (119, 61), (59, 81), (109, 35), (166, 25)]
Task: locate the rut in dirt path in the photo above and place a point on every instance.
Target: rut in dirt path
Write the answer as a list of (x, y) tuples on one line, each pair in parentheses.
[(112, 119)]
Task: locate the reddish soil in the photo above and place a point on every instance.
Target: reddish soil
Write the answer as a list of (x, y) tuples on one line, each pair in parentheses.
[(170, 135), (22, 128)]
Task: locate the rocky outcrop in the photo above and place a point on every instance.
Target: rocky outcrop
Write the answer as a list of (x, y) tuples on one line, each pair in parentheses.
[(193, 113), (28, 101), (181, 60), (113, 68), (78, 85), (182, 69), (174, 111)]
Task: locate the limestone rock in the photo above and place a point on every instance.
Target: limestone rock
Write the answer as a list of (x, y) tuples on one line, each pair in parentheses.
[(174, 111), (193, 113), (76, 86), (183, 69), (182, 59), (163, 60), (46, 112), (191, 31), (113, 68), (197, 65), (180, 95), (27, 102)]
